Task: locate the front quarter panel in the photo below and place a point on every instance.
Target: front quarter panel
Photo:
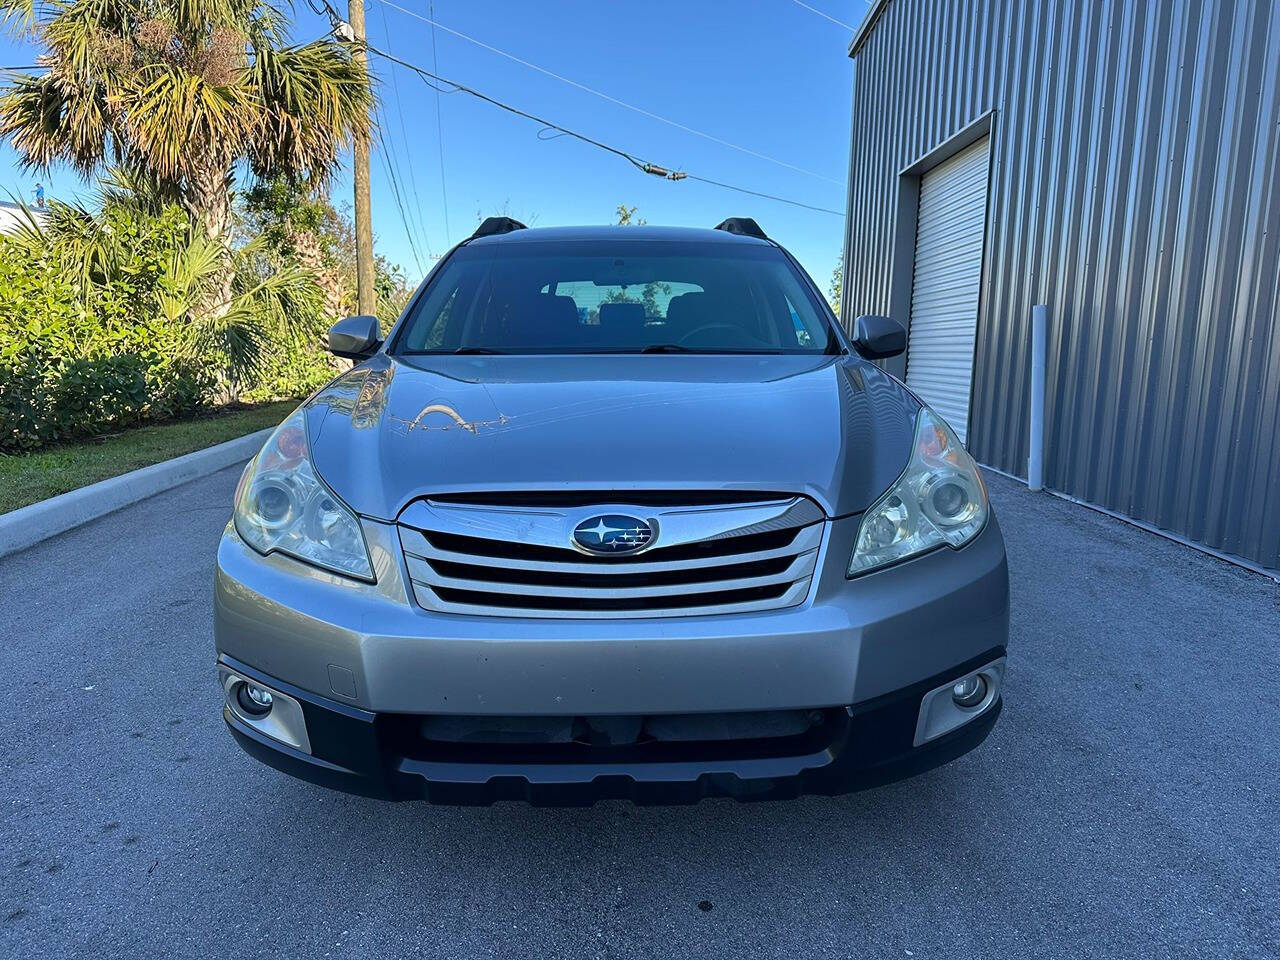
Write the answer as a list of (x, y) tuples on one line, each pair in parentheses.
[(923, 615)]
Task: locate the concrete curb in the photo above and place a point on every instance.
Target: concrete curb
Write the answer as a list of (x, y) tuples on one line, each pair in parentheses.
[(29, 525)]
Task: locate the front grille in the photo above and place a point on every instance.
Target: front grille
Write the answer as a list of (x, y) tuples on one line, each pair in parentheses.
[(505, 560)]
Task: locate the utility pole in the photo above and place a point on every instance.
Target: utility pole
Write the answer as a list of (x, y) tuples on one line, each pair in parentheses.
[(365, 294)]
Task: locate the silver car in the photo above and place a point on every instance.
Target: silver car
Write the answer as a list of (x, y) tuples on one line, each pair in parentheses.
[(612, 512)]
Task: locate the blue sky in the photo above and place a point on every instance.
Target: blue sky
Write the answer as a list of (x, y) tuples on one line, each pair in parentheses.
[(769, 76)]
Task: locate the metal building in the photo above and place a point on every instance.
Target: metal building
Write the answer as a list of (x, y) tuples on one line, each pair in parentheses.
[(1118, 161)]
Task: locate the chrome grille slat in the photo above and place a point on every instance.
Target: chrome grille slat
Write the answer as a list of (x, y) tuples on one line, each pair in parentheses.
[(800, 568), (428, 600), (417, 545), (514, 561)]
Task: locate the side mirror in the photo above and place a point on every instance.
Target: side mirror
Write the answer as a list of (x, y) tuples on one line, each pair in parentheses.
[(356, 338), (878, 337)]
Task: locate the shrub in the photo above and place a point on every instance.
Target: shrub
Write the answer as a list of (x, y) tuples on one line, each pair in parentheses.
[(130, 311), (293, 364), (73, 368)]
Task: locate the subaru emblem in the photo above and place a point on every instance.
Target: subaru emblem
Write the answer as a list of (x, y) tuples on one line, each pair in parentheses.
[(612, 533)]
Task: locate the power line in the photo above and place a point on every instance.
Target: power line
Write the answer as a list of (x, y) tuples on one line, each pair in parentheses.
[(444, 193), (415, 207), (387, 165), (757, 193), (622, 103), (825, 16), (463, 88), (391, 164), (642, 165), (343, 30)]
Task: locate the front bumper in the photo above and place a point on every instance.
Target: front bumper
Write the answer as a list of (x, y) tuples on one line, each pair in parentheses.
[(366, 753), (370, 646), (361, 658)]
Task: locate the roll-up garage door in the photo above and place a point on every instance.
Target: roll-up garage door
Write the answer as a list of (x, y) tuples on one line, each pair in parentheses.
[(944, 291)]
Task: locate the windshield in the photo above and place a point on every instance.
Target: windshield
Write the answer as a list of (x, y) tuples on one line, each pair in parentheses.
[(619, 296)]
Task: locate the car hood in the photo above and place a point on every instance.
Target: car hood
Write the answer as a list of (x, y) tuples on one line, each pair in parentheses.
[(392, 430)]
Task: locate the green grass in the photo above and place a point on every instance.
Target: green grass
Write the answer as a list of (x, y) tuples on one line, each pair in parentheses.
[(29, 477)]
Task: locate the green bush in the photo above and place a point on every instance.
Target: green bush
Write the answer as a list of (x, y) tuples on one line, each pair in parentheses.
[(107, 323), (70, 368), (293, 363), (128, 311)]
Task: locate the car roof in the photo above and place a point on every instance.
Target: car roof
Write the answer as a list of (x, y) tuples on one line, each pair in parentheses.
[(701, 235)]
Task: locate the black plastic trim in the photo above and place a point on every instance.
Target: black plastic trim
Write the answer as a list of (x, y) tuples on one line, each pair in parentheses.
[(493, 226), (352, 752), (742, 226)]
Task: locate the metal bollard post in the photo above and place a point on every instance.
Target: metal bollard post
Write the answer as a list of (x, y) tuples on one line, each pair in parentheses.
[(1035, 461)]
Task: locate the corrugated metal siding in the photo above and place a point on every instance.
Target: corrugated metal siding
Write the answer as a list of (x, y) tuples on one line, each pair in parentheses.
[(1135, 189), (945, 284)]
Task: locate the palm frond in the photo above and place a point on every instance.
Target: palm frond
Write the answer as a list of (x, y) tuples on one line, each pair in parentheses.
[(133, 187), (47, 123), (86, 38), (261, 306), (77, 239), (311, 100), (20, 17), (236, 336), (286, 298), (194, 271), (265, 25), (231, 331), (175, 119), (197, 17)]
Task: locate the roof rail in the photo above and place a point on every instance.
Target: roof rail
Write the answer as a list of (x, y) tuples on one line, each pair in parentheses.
[(743, 226), (493, 226)]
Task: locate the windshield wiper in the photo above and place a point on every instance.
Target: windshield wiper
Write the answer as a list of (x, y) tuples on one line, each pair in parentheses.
[(466, 350), (666, 348)]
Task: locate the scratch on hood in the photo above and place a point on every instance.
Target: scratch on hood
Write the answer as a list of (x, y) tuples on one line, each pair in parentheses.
[(471, 426)]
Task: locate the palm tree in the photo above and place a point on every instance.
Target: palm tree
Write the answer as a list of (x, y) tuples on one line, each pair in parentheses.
[(180, 92)]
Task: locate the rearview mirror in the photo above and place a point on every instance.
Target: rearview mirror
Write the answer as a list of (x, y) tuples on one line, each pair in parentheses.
[(356, 338), (878, 337)]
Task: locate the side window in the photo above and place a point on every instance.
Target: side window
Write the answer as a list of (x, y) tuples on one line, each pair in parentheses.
[(437, 322), (436, 332), (803, 338)]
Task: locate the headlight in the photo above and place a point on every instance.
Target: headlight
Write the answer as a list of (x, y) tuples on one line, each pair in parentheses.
[(940, 498), (282, 505)]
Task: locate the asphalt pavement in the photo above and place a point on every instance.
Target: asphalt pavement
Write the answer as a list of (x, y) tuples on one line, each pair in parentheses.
[(1125, 806)]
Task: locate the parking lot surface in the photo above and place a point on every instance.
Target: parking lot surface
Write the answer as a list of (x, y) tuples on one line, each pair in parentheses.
[(1126, 804)]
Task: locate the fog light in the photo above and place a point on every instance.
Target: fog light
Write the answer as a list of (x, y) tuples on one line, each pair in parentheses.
[(254, 700), (970, 691)]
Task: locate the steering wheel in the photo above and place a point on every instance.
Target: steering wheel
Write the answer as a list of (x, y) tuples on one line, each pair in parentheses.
[(737, 334)]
